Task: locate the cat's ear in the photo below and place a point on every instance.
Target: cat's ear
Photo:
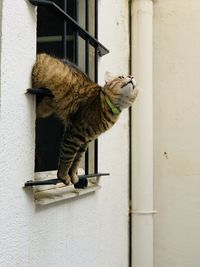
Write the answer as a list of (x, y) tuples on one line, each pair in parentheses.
[(108, 77)]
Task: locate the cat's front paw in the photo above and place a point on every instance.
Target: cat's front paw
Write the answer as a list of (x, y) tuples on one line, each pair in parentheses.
[(74, 178), (65, 178)]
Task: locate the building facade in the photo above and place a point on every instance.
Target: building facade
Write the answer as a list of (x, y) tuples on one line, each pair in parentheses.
[(147, 211)]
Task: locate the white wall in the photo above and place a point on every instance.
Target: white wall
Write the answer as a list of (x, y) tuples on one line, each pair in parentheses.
[(17, 131), (0, 49), (87, 232), (177, 131)]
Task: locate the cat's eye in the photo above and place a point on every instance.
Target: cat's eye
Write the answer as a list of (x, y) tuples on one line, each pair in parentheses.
[(121, 77)]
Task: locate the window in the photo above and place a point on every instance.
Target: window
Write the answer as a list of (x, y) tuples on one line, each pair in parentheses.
[(67, 29)]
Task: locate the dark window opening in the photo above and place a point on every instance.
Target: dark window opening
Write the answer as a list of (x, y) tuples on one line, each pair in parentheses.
[(66, 29)]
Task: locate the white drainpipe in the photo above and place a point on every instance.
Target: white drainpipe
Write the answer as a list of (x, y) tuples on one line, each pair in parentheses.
[(142, 134)]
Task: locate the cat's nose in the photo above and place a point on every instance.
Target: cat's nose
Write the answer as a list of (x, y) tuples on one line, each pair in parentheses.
[(132, 80)]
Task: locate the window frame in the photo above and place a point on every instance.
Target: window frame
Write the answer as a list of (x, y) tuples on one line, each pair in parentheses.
[(99, 50)]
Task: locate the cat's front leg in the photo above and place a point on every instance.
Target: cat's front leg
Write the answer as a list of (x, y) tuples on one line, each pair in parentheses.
[(68, 151), (73, 172)]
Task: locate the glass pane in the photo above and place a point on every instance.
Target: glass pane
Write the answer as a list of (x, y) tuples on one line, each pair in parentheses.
[(50, 40), (92, 17)]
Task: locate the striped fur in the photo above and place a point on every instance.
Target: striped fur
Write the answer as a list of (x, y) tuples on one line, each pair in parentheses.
[(80, 104)]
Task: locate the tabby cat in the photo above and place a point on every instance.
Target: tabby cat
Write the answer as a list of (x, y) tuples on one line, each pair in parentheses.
[(85, 108)]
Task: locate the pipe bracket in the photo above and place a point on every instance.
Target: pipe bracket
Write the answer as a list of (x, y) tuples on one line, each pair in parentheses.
[(144, 212)]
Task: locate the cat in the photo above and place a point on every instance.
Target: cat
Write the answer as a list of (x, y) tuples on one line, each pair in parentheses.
[(85, 108)]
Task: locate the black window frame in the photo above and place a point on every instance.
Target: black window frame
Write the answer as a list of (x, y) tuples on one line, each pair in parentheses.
[(100, 50)]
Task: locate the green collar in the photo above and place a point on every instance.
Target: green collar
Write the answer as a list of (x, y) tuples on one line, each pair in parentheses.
[(114, 109)]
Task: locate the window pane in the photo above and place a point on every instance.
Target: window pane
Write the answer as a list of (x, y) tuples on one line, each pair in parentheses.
[(50, 40)]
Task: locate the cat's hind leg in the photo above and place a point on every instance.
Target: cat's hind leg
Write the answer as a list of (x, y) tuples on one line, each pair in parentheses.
[(45, 108)]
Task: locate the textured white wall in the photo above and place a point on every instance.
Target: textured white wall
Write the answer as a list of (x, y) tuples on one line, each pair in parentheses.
[(0, 50), (177, 131), (88, 232), (17, 131)]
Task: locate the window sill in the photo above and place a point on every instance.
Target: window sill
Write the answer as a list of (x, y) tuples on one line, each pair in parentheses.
[(47, 194)]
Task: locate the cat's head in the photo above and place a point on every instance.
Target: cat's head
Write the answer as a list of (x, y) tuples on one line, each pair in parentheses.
[(120, 90)]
